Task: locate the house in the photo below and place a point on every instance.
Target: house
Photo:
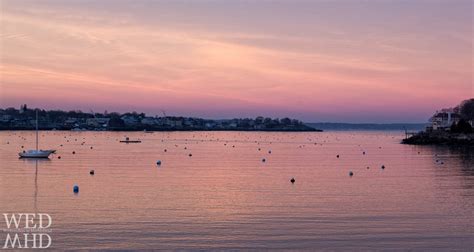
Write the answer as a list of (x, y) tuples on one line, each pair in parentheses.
[(129, 119), (442, 120), (149, 121), (97, 122), (6, 118)]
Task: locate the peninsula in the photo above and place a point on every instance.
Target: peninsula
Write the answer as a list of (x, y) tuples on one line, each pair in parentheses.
[(449, 126), (24, 119)]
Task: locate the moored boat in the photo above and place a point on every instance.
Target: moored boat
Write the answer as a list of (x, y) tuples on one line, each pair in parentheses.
[(127, 140), (36, 153)]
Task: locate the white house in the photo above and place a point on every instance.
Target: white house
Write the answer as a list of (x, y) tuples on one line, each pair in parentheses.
[(444, 119)]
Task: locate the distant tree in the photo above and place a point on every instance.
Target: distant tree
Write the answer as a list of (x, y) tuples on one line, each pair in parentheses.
[(116, 122), (462, 127), (285, 121), (467, 109), (454, 127), (11, 111), (113, 115), (259, 120)]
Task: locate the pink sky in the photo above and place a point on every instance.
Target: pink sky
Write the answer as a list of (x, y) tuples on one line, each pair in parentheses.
[(344, 61)]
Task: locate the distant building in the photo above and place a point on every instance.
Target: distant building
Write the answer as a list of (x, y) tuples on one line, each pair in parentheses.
[(129, 120), (97, 122), (149, 121), (6, 118), (442, 120)]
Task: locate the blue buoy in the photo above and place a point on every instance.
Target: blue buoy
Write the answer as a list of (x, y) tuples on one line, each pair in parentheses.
[(158, 162), (76, 189), (264, 160)]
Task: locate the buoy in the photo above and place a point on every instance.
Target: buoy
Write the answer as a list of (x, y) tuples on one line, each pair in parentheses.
[(269, 152), (92, 172), (351, 173), (158, 162), (383, 166), (292, 180), (337, 156), (91, 147), (75, 189), (263, 160), (59, 157), (73, 152), (363, 153), (190, 154), (258, 149), (367, 167), (166, 150)]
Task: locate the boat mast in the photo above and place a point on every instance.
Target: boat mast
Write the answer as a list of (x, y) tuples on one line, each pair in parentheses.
[(36, 129)]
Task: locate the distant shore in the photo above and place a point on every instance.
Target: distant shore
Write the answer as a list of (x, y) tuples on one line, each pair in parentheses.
[(25, 119), (168, 130)]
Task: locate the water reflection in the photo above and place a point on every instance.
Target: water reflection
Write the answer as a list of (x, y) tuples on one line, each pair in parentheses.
[(36, 162)]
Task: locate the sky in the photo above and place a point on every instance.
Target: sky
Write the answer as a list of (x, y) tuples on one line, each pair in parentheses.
[(324, 60)]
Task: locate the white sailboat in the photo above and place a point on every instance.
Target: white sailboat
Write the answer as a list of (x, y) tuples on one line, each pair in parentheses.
[(36, 153)]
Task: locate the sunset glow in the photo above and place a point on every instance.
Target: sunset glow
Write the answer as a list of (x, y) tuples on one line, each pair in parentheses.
[(365, 61)]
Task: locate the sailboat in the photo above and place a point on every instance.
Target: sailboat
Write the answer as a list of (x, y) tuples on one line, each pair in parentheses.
[(36, 153)]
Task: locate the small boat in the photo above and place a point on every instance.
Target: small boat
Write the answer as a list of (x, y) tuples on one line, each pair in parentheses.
[(127, 140), (36, 153)]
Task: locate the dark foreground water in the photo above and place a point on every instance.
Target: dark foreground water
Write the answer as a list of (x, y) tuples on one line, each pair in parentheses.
[(225, 197)]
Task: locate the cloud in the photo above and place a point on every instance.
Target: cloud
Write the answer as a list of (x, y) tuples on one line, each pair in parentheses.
[(122, 56)]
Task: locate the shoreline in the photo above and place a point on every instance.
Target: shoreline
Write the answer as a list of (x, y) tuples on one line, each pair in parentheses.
[(169, 130), (440, 138)]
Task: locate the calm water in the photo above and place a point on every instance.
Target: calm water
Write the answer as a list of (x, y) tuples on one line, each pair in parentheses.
[(225, 197)]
